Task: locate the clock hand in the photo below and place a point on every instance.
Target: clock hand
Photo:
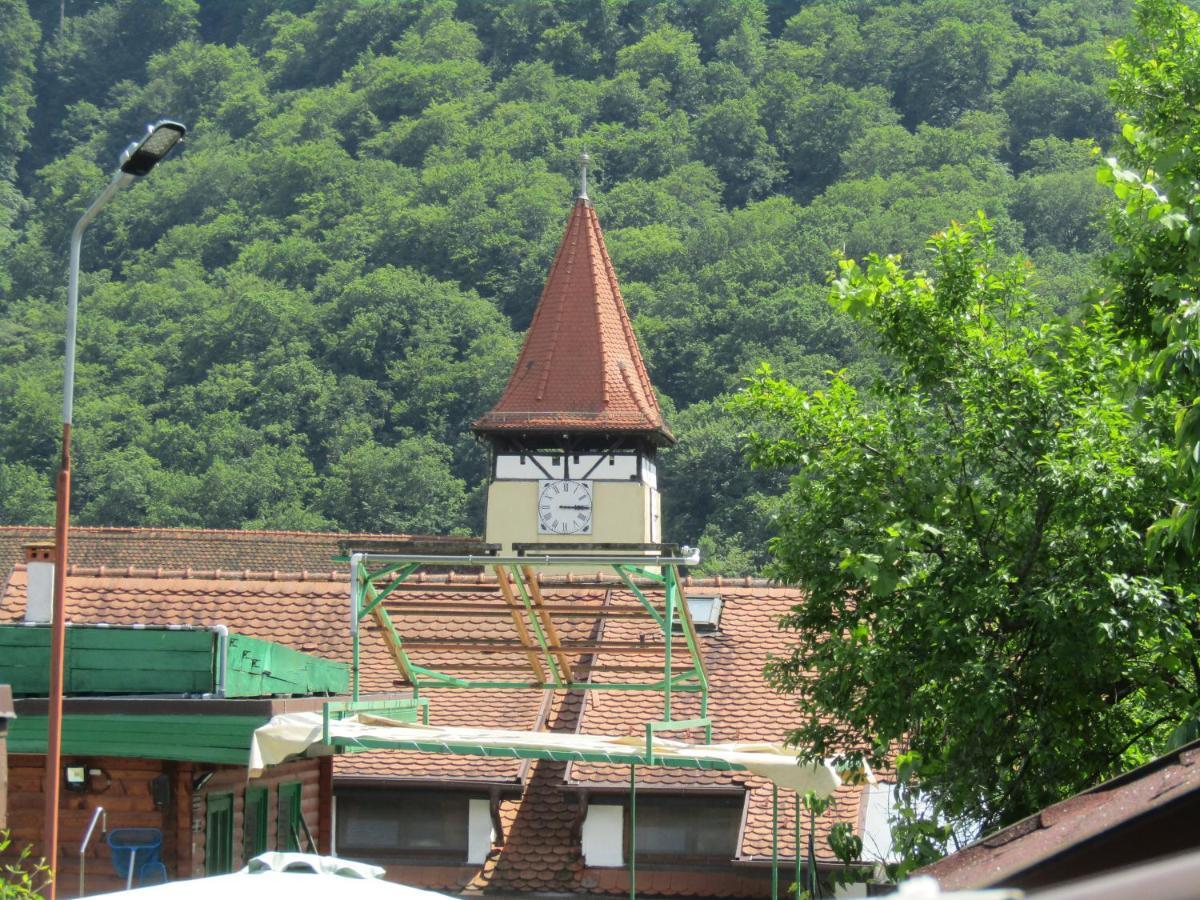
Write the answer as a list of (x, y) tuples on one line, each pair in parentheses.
[(574, 507)]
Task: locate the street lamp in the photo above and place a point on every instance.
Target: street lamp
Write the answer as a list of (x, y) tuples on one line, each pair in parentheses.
[(137, 160)]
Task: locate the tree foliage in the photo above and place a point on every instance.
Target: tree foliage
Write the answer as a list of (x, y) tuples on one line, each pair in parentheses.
[(971, 531), (338, 264), (1154, 269)]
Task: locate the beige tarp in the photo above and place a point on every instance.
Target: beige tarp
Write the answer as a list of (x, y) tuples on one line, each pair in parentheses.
[(293, 733)]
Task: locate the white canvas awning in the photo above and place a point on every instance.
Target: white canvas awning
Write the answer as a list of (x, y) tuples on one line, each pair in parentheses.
[(294, 733)]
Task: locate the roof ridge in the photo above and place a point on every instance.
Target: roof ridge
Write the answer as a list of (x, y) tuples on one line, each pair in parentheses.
[(595, 235), (187, 573)]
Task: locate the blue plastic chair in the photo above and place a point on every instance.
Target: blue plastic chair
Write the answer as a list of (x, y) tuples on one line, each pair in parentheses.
[(137, 849)]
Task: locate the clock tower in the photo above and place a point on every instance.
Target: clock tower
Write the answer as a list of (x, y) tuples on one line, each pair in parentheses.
[(575, 434)]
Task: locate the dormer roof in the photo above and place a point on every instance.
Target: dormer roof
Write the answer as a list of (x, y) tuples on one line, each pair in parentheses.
[(580, 370)]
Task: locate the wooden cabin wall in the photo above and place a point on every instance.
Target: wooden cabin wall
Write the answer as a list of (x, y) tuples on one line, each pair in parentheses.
[(124, 792), (130, 804), (232, 780)]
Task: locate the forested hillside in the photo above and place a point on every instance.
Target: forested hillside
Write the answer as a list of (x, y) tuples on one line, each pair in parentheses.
[(293, 321)]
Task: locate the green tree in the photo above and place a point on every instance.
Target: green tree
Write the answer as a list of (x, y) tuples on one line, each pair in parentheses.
[(1155, 270), (733, 140), (971, 532), (407, 488)]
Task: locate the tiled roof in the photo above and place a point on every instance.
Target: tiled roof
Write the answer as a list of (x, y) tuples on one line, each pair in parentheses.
[(580, 368), (308, 611), (179, 548), (742, 707), (1008, 855)]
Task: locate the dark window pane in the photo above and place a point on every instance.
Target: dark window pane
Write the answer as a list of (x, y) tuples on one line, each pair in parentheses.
[(399, 826), (287, 820), (218, 838), (703, 828)]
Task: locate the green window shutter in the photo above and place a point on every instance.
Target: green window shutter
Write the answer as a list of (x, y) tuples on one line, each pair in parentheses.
[(287, 822), (254, 823), (218, 841)]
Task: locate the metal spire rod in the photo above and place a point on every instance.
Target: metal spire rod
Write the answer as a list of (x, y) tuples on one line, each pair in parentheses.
[(584, 159)]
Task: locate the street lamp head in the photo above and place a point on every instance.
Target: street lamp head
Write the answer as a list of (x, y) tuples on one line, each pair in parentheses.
[(161, 138)]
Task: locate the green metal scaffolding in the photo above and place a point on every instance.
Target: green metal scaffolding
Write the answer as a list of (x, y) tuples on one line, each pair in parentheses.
[(377, 577)]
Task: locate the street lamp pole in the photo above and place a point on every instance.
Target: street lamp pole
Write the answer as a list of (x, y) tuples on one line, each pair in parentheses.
[(137, 160)]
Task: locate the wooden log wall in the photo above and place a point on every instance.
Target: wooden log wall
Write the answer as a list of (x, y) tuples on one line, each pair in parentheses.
[(230, 780), (124, 792)]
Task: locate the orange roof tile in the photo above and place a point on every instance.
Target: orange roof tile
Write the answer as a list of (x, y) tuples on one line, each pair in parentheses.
[(580, 368), (308, 611), (178, 548)]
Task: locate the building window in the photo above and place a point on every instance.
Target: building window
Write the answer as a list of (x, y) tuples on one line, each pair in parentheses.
[(254, 823), (696, 830), (395, 827), (287, 818), (218, 836)]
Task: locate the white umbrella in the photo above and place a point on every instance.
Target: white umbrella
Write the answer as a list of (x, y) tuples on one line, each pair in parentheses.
[(294, 876)]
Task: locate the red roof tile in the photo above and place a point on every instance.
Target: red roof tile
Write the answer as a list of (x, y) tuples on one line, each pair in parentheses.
[(580, 368), (309, 612)]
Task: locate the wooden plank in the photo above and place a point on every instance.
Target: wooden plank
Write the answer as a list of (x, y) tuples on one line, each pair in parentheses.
[(522, 547), (395, 648), (98, 638), (574, 648), (484, 610), (535, 596), (685, 615), (526, 642), (195, 737), (258, 668), (103, 660)]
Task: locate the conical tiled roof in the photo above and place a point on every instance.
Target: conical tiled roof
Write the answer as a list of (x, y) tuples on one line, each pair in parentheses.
[(580, 369)]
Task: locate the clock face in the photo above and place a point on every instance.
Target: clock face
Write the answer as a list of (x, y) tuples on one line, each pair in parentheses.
[(564, 507)]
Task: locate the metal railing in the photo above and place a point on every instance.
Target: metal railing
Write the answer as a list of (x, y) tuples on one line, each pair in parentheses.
[(87, 839)]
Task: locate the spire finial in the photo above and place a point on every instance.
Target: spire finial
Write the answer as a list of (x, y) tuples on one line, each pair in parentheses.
[(584, 159)]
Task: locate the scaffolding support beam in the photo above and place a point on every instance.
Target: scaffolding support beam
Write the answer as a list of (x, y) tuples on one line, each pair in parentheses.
[(518, 596)]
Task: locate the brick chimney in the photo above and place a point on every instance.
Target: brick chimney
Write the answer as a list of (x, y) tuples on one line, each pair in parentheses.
[(39, 592)]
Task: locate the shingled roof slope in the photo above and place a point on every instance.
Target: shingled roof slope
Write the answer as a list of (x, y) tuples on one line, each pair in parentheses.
[(742, 707), (580, 368), (308, 612), (1013, 855)]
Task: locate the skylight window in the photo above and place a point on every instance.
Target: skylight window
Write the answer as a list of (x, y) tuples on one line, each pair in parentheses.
[(705, 610)]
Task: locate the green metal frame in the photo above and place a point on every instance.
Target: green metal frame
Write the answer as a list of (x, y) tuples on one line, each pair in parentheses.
[(371, 585)]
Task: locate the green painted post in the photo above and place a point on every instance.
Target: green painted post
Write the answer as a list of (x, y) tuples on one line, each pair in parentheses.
[(797, 842), (774, 842), (355, 606), (632, 834), (668, 628)]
